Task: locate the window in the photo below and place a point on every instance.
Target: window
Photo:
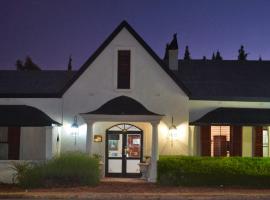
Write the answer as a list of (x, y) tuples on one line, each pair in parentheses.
[(3, 143), (265, 143), (123, 70), (220, 138)]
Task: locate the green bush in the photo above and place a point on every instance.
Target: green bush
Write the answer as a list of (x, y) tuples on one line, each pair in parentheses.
[(207, 171), (66, 170)]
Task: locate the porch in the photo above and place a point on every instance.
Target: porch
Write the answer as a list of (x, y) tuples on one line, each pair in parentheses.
[(26, 135), (233, 132), (126, 125)]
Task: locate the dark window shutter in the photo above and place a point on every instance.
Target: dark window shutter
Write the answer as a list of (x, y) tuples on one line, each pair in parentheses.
[(14, 143), (205, 140), (258, 143), (236, 141), (123, 72)]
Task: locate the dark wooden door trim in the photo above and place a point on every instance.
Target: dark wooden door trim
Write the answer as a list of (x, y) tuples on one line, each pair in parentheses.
[(124, 159)]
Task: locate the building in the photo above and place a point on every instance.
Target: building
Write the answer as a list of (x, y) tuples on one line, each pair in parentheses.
[(125, 103)]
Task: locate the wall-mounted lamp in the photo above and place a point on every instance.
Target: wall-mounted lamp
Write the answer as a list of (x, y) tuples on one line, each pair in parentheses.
[(75, 129), (172, 132)]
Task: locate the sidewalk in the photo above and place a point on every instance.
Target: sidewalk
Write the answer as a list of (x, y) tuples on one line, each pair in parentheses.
[(124, 189)]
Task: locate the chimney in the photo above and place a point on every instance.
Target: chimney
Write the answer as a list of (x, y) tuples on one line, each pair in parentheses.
[(173, 53)]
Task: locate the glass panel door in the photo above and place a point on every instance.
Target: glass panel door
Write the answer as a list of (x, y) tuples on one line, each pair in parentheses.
[(133, 156), (123, 151), (115, 150)]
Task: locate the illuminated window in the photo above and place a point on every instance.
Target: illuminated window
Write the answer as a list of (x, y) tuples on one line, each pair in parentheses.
[(220, 138), (265, 143)]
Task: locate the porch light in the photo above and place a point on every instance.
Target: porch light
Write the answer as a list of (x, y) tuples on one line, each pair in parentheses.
[(172, 132), (75, 129)]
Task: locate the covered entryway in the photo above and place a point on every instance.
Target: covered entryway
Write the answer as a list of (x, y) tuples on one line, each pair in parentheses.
[(124, 141), (124, 151)]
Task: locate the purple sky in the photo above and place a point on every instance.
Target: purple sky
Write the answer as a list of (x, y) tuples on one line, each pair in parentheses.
[(50, 30)]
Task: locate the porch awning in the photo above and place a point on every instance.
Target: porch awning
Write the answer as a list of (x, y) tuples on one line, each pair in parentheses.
[(22, 115), (122, 105), (235, 116)]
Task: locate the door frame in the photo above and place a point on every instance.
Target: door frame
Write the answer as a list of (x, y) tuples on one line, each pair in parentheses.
[(124, 138)]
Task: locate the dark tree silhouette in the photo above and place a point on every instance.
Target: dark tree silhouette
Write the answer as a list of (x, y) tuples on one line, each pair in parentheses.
[(204, 58), (218, 56), (19, 65), (28, 65), (242, 55), (70, 64), (187, 54), (213, 56), (260, 58)]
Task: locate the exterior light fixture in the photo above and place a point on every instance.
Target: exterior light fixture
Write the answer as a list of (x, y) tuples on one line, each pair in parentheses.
[(172, 132), (75, 129)]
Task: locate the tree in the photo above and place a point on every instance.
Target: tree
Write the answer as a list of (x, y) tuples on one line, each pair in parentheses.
[(28, 65), (19, 65), (218, 56), (260, 58), (213, 56), (242, 55), (187, 54), (204, 58), (70, 64)]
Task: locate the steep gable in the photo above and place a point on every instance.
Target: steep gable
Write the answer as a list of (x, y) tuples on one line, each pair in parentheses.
[(120, 27)]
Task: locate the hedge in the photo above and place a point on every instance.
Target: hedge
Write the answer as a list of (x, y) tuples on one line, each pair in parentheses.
[(69, 169), (209, 171)]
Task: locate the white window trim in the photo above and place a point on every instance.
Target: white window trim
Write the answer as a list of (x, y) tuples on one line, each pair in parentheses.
[(115, 67)]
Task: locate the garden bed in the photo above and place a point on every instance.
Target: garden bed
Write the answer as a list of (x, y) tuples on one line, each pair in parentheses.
[(208, 171)]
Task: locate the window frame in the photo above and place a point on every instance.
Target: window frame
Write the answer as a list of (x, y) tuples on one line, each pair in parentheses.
[(115, 70), (264, 145)]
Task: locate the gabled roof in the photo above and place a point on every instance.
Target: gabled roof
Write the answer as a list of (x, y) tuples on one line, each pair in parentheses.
[(226, 80), (33, 84), (122, 105), (235, 116), (121, 26), (22, 115)]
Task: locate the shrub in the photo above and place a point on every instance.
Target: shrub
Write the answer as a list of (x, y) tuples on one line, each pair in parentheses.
[(69, 169), (207, 171)]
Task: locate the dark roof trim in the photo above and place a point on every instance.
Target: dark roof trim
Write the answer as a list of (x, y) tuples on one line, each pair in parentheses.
[(246, 99), (124, 24), (22, 115), (30, 95), (235, 116), (122, 105)]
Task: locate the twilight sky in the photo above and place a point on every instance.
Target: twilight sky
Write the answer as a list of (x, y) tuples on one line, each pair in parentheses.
[(50, 30)]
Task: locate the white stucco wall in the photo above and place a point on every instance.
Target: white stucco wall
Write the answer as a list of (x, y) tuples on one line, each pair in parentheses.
[(150, 85), (32, 145), (247, 141)]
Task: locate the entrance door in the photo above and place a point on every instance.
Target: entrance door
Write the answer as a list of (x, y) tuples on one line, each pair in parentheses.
[(123, 151)]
